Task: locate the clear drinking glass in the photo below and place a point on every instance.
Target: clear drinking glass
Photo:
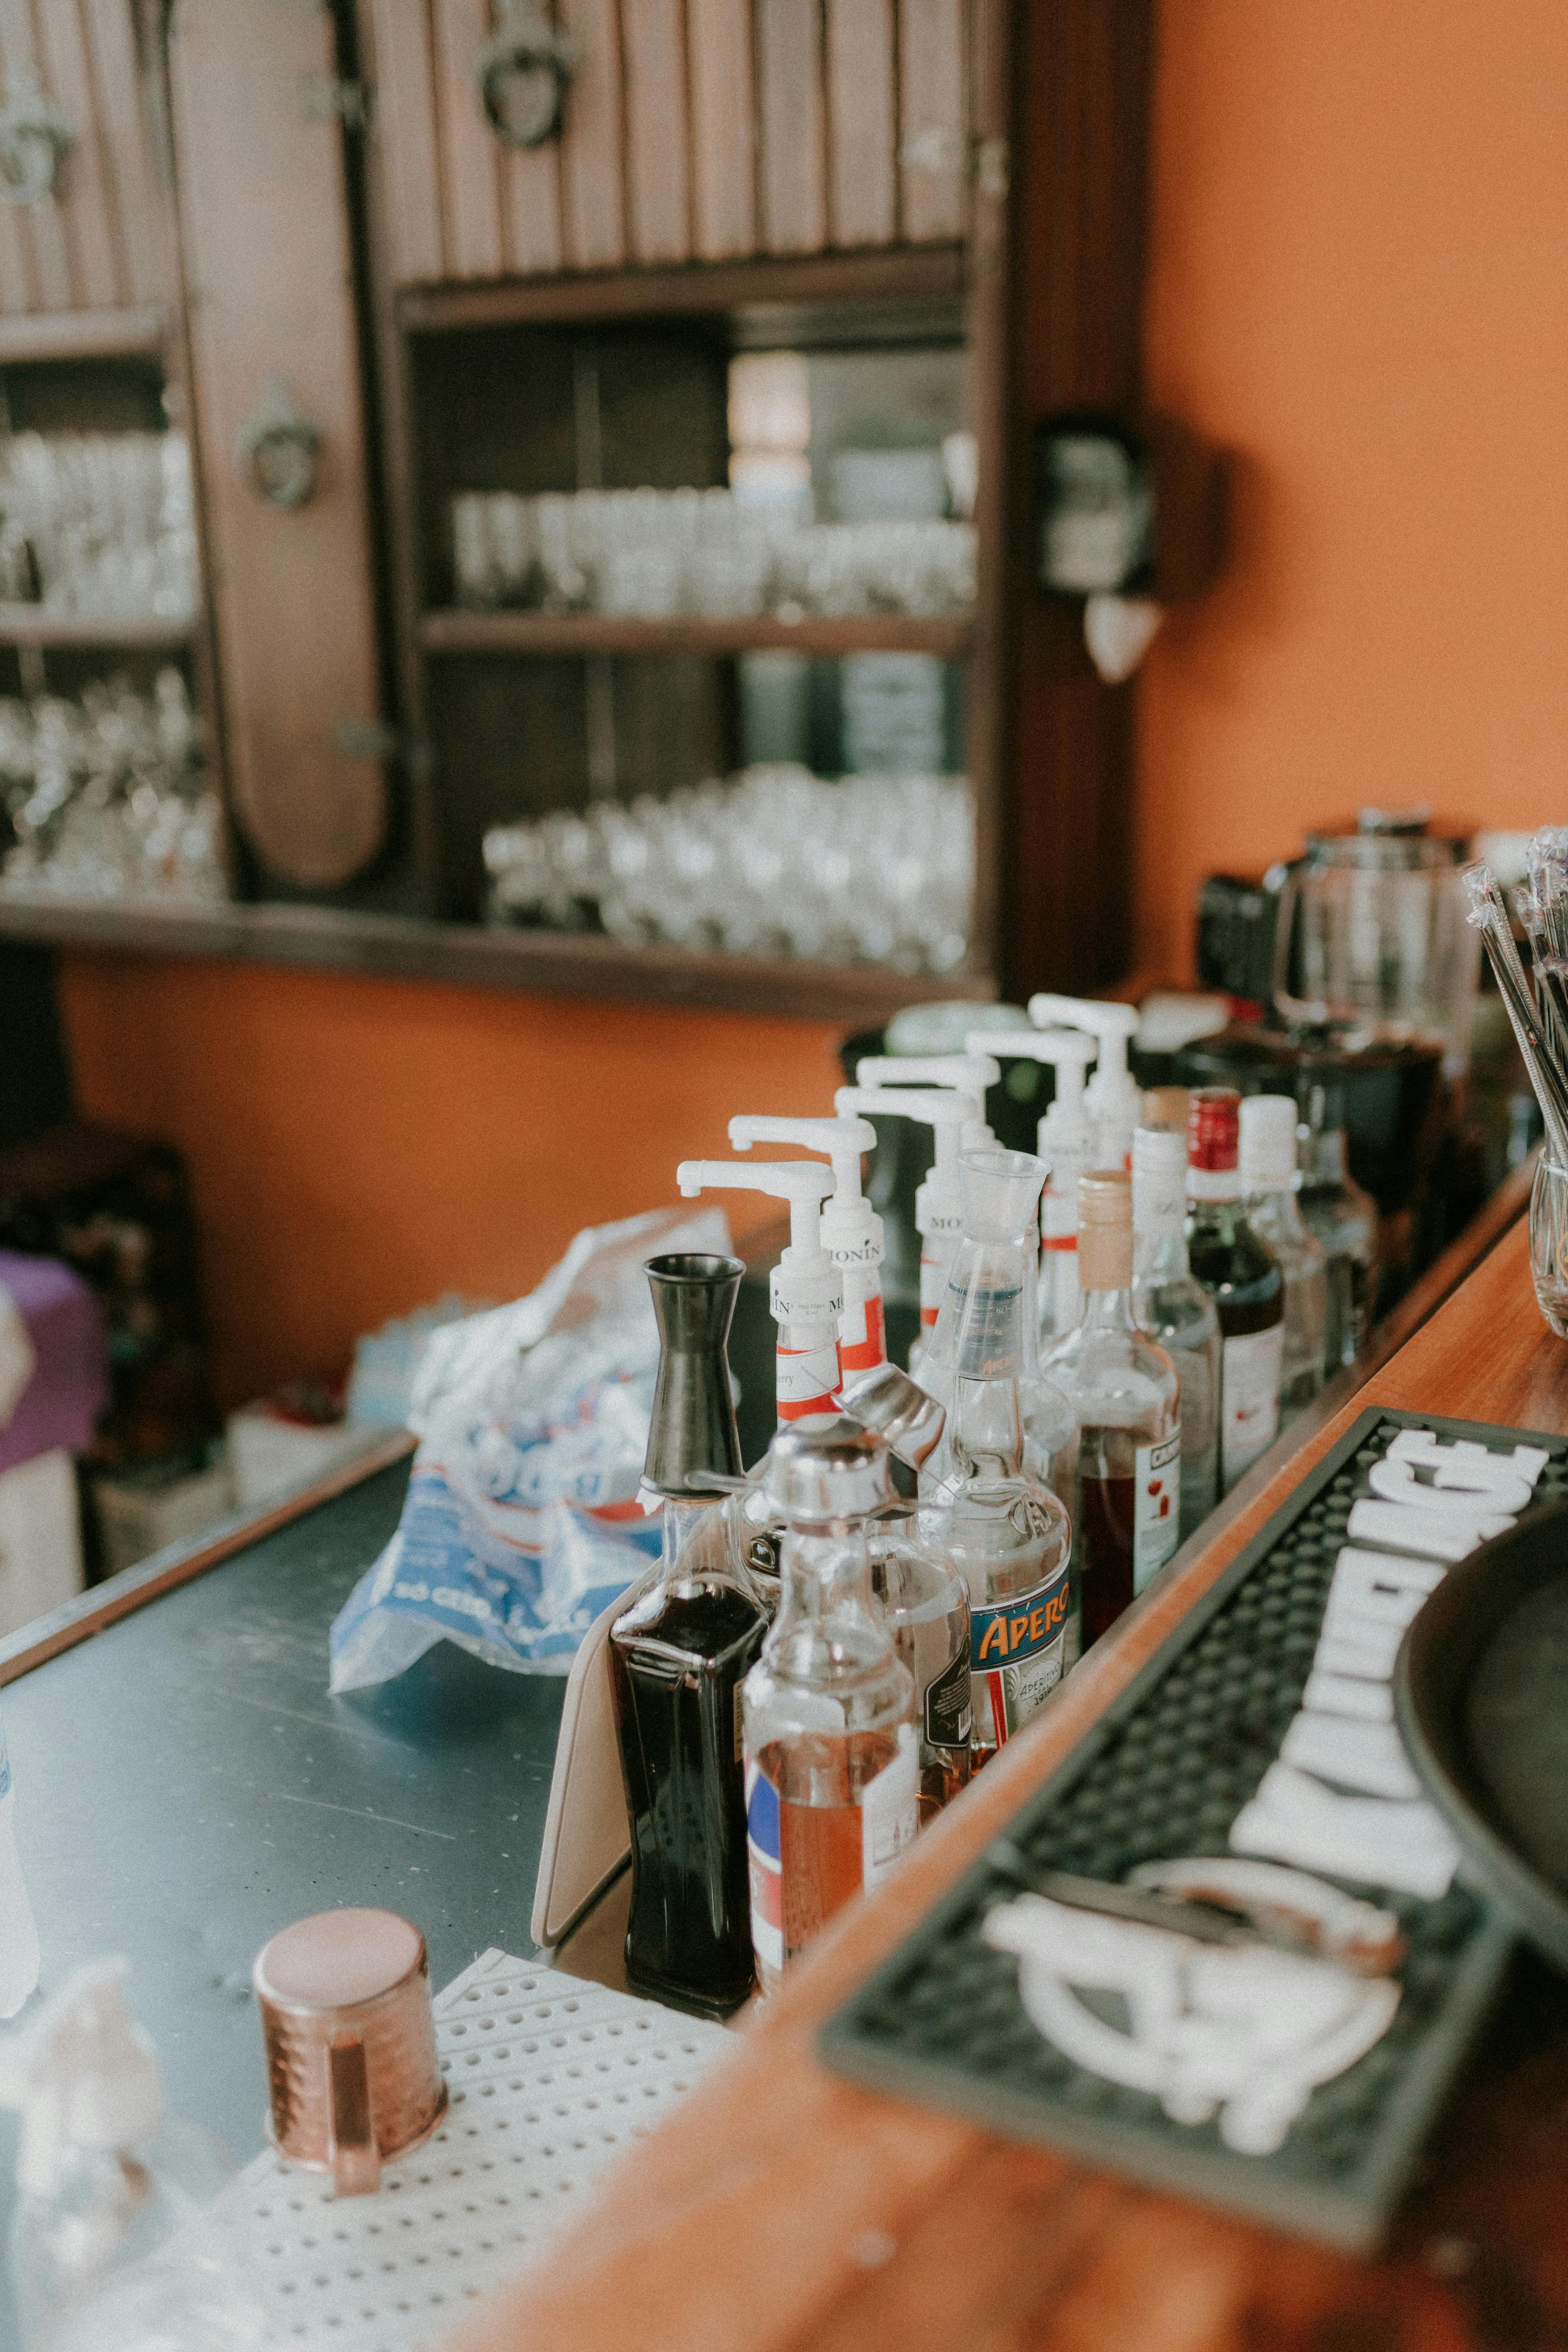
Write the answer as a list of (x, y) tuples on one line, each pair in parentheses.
[(1549, 1243)]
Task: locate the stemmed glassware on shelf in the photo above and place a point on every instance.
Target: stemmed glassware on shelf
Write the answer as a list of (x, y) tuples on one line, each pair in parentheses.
[(657, 554), (107, 797), (99, 525), (776, 862)]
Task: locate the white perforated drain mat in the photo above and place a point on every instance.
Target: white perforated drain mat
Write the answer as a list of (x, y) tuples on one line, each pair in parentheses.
[(551, 2080)]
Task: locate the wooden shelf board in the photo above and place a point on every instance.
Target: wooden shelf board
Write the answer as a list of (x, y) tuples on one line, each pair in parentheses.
[(895, 274), (38, 625), (83, 335), (474, 955), (596, 633)]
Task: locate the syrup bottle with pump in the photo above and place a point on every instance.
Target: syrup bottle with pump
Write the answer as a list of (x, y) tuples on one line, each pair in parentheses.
[(678, 1656), (1114, 1101), (968, 1075), (1004, 1532), (937, 1218), (850, 1228), (1066, 1145), (806, 1291), (831, 1746)]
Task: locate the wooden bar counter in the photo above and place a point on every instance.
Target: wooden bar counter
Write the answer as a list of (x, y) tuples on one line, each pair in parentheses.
[(786, 2210)]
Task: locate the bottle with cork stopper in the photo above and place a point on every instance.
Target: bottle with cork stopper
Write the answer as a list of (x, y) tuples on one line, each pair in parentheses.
[(1241, 1275), (1125, 1390)]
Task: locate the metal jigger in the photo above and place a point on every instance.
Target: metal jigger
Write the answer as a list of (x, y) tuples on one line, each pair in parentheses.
[(693, 1431)]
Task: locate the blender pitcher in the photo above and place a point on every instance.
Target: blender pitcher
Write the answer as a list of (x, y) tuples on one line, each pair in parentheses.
[(1372, 940)]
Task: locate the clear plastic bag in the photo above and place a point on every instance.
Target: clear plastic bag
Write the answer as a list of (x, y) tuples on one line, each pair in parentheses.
[(521, 1521)]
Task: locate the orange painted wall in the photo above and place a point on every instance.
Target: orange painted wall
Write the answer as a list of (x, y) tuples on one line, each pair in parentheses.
[(1359, 285), (359, 1145)]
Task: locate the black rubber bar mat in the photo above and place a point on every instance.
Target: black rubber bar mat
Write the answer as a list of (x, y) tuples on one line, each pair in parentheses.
[(1164, 1773)]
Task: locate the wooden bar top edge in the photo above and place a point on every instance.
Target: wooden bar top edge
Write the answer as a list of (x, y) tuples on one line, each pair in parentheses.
[(783, 2207)]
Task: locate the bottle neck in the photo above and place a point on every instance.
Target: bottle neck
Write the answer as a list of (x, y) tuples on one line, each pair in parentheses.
[(678, 1519), (1108, 1310), (826, 1578), (1162, 1255), (1327, 1161), (986, 1429), (1275, 1204)]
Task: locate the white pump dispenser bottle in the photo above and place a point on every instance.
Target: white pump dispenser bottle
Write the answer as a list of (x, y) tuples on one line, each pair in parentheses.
[(852, 1230), (1114, 1102), (806, 1293), (968, 1074), (938, 1210)]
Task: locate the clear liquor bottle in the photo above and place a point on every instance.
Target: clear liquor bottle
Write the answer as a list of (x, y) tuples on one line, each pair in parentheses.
[(1268, 1180), (1124, 1390), (1242, 1275), (1344, 1218), (830, 1746), (1171, 1304), (1000, 1528)]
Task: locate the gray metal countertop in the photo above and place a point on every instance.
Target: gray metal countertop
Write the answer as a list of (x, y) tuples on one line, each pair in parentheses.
[(184, 1787)]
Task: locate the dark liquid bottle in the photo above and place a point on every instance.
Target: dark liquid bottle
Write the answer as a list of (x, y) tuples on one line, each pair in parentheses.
[(678, 1654), (678, 1658), (1242, 1275)]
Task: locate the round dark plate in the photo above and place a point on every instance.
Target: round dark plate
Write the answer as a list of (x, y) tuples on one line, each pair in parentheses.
[(1480, 1692)]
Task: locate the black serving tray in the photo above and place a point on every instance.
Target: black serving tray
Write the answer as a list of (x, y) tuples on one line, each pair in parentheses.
[(1163, 1772), (1480, 1694)]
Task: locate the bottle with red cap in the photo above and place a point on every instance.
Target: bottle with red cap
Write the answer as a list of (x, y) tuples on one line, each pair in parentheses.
[(1241, 1275)]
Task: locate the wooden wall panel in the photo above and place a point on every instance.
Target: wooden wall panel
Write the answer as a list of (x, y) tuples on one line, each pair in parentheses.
[(137, 202), (789, 82), (87, 209), (531, 207), (592, 178), (862, 177), (268, 264), (653, 36), (935, 117), (705, 129), (469, 153), (406, 127), (723, 128)]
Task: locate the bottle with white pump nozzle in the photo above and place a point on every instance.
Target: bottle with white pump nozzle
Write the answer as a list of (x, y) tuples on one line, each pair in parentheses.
[(968, 1074), (1066, 1145), (851, 1229), (103, 2252), (1113, 1099), (937, 1216), (806, 1292)]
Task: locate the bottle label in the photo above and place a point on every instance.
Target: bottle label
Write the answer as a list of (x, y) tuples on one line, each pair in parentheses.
[(765, 1866), (862, 1340), (1156, 1506), (1250, 1399), (947, 1713), (889, 1809), (807, 1379), (934, 1284), (1017, 1648)]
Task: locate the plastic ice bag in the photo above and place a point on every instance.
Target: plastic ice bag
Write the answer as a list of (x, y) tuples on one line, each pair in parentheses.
[(521, 1520), (18, 1937)]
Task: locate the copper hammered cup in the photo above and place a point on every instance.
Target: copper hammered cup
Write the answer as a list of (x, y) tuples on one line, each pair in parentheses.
[(352, 2071)]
